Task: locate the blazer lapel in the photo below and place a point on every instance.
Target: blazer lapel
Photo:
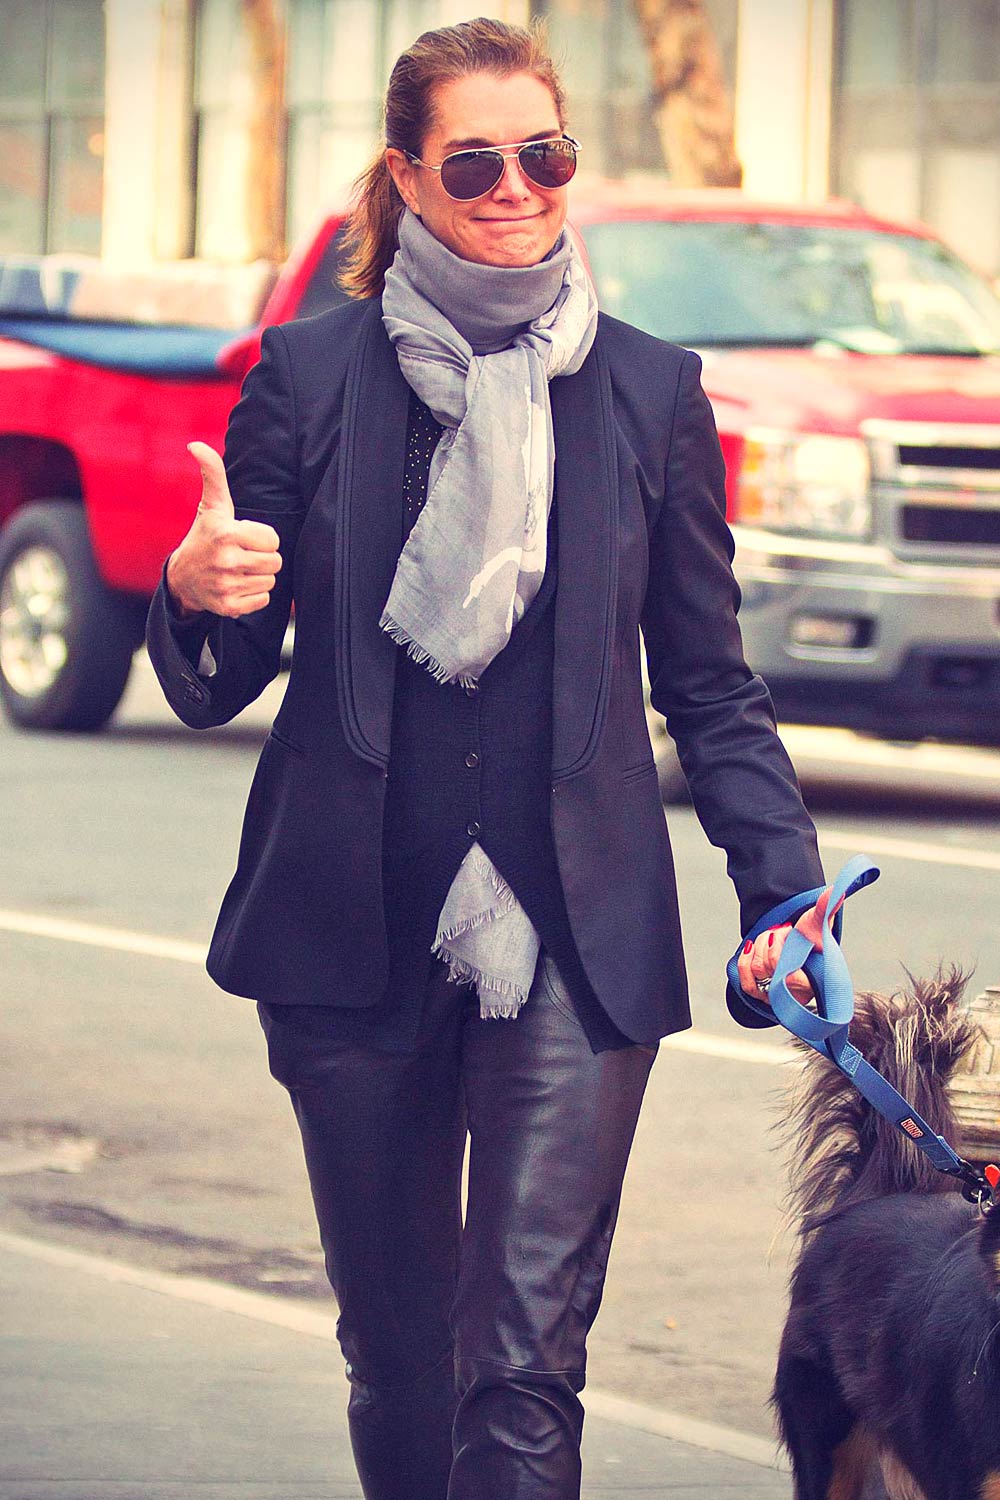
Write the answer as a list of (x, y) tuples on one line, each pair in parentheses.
[(369, 537), (586, 596)]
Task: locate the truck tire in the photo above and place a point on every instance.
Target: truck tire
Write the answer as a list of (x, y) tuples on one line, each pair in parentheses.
[(66, 641)]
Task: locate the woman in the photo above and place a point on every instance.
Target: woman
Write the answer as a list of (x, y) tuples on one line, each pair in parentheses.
[(454, 901)]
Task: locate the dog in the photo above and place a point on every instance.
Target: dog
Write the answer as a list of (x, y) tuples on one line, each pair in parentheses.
[(888, 1374)]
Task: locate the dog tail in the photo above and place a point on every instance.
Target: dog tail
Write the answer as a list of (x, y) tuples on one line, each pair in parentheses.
[(842, 1150)]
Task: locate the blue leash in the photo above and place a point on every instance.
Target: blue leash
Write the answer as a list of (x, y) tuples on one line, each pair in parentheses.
[(826, 1029)]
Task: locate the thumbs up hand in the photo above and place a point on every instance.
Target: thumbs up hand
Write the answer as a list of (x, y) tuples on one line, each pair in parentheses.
[(222, 565), (759, 959)]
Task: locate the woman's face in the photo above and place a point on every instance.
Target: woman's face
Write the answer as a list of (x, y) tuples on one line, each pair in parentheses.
[(517, 223)]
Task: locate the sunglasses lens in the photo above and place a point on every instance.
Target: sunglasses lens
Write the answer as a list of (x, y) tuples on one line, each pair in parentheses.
[(470, 174), (549, 164)]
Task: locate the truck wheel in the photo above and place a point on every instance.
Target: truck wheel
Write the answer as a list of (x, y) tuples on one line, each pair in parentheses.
[(66, 641)]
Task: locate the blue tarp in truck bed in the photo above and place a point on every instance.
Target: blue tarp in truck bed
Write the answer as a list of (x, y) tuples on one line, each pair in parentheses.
[(133, 348)]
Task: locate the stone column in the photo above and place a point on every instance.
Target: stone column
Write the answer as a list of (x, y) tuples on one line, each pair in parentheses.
[(784, 72), (147, 196)]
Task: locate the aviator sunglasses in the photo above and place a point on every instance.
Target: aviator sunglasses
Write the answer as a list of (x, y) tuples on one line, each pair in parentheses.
[(470, 174)]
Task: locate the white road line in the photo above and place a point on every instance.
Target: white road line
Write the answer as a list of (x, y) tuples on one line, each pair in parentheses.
[(300, 1319), (117, 939), (932, 854), (710, 1045), (841, 747)]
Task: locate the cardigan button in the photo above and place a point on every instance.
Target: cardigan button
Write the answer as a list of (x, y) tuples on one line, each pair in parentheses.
[(472, 759), (472, 829)]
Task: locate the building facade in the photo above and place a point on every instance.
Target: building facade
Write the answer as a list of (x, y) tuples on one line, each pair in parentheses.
[(220, 129)]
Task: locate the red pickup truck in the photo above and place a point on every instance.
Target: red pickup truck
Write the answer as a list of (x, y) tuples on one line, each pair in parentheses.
[(852, 363)]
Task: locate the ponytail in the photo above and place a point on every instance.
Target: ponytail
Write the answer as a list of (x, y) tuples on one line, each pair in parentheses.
[(371, 239)]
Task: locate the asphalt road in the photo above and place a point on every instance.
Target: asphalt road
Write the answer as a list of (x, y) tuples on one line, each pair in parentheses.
[(139, 1119)]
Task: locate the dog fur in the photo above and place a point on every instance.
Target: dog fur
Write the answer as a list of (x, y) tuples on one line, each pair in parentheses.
[(888, 1378)]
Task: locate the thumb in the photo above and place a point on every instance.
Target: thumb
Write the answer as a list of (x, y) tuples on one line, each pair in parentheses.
[(214, 485), (810, 924)]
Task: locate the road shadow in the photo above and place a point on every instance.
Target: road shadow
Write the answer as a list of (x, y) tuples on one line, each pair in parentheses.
[(230, 736)]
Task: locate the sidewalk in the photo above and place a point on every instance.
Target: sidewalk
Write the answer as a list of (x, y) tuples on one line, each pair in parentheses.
[(111, 1390)]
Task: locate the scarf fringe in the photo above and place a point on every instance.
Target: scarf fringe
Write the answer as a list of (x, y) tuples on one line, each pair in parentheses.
[(423, 658), (505, 896), (502, 998)]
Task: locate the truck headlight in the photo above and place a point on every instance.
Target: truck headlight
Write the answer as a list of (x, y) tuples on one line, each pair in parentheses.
[(810, 483)]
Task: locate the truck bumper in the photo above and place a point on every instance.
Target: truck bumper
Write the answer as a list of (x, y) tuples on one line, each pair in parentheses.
[(849, 634)]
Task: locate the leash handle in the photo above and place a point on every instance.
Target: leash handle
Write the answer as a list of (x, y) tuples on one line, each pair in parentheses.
[(854, 876), (826, 1029)]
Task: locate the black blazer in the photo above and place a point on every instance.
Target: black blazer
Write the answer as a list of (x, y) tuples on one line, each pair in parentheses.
[(315, 447)]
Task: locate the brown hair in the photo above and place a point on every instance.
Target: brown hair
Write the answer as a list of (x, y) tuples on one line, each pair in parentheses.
[(481, 46)]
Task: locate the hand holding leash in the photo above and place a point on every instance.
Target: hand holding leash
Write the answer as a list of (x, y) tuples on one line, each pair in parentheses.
[(759, 959)]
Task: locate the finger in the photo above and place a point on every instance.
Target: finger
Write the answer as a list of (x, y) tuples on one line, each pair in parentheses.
[(215, 494), (255, 536), (252, 603), (744, 968), (800, 986), (749, 985), (752, 966), (241, 564), (247, 604), (767, 949), (244, 588)]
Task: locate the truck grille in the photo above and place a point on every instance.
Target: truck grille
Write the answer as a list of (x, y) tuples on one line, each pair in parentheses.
[(940, 484), (950, 457), (954, 527)]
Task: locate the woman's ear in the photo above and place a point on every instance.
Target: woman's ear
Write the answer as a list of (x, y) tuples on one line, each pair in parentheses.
[(403, 172)]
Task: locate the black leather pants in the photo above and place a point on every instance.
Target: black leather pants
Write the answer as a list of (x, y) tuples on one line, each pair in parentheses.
[(466, 1348)]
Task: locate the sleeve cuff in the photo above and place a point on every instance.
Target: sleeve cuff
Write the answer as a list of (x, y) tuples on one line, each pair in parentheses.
[(191, 632), (180, 622)]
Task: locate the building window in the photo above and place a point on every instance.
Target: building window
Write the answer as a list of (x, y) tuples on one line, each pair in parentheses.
[(340, 54), (51, 125), (223, 106), (917, 116), (332, 94)]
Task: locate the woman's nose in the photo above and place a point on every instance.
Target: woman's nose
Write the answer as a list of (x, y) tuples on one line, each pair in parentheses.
[(513, 183)]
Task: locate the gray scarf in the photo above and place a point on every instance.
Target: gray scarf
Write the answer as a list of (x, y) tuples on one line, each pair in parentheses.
[(479, 345)]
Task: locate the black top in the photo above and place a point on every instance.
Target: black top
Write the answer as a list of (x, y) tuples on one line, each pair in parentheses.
[(468, 764)]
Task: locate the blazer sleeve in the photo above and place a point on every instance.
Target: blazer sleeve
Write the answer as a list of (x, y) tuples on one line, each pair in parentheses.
[(261, 462), (719, 713)]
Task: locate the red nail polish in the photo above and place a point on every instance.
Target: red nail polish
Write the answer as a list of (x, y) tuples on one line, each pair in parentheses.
[(747, 946), (770, 939)]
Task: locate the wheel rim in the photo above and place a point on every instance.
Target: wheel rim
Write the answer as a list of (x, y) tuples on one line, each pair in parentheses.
[(34, 614)]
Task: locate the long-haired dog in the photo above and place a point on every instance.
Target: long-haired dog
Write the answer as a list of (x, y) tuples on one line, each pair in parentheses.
[(888, 1378)]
